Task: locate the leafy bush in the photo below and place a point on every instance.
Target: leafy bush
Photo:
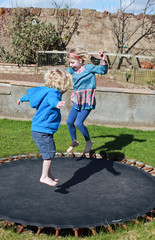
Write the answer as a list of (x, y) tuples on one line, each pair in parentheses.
[(5, 56), (28, 35)]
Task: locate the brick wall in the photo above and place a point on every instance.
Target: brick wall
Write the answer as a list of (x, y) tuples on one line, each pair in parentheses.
[(14, 68)]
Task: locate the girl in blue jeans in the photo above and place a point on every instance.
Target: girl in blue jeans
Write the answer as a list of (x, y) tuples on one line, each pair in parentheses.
[(83, 96)]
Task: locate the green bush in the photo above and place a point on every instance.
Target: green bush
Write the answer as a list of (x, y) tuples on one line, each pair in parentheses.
[(28, 35), (5, 56)]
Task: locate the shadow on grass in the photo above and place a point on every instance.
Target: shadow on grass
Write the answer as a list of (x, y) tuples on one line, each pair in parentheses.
[(117, 144)]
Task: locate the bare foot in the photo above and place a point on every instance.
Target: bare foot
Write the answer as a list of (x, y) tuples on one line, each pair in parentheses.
[(88, 146), (74, 143), (53, 178), (48, 181)]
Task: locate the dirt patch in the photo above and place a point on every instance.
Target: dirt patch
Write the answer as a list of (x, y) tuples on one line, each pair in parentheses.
[(100, 81), (22, 77)]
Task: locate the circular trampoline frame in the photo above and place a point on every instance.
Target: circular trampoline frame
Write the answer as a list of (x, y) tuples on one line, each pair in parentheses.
[(140, 166)]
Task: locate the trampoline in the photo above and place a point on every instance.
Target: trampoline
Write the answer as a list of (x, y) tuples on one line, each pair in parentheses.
[(91, 192)]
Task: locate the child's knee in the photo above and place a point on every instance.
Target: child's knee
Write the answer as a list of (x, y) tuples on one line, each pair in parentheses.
[(78, 124), (69, 123)]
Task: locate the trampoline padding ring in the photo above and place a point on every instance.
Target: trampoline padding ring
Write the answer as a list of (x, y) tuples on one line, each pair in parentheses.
[(91, 192)]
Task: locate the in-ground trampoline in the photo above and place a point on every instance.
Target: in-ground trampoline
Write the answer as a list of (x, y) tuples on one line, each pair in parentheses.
[(91, 192)]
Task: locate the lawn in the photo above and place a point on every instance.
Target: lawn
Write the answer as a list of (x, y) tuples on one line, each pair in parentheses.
[(15, 139)]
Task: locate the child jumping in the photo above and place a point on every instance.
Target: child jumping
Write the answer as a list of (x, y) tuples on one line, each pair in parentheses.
[(47, 101), (83, 96)]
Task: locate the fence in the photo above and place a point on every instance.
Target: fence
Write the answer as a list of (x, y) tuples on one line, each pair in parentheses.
[(137, 69)]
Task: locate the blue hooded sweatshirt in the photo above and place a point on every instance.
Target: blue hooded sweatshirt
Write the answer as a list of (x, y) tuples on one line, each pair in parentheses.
[(48, 117)]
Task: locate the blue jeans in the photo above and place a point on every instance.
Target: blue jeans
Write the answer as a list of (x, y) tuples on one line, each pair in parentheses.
[(76, 119)]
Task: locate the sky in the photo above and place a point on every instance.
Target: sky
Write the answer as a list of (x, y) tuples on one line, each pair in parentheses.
[(99, 5)]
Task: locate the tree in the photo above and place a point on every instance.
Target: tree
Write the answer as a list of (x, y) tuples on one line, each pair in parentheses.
[(67, 23), (125, 31), (29, 35)]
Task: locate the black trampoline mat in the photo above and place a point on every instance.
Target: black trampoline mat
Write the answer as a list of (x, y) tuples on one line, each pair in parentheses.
[(91, 192)]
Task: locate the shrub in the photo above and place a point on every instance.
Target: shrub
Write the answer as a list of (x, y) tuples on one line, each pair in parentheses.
[(29, 35)]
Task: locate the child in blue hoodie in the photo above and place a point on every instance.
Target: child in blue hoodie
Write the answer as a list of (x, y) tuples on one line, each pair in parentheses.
[(47, 101)]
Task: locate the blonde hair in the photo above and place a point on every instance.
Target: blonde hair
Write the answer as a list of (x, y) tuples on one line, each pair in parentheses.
[(79, 51), (58, 79)]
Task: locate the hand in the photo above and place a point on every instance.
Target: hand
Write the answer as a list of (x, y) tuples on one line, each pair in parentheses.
[(102, 55), (60, 104), (18, 102)]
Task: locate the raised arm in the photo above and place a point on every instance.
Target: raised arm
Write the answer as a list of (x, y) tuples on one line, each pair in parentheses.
[(99, 69), (102, 57)]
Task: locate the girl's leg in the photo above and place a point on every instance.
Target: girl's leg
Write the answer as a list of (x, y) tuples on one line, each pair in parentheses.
[(82, 115), (45, 176), (71, 127), (70, 122)]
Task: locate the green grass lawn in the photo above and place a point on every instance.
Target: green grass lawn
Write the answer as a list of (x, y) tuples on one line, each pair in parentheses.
[(15, 139)]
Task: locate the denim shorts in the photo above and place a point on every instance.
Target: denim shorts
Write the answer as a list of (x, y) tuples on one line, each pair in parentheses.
[(45, 144)]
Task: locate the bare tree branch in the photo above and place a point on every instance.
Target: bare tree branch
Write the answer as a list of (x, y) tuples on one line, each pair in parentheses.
[(66, 24), (123, 32)]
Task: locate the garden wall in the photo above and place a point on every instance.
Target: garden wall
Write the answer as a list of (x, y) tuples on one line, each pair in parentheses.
[(118, 106), (14, 68), (94, 30)]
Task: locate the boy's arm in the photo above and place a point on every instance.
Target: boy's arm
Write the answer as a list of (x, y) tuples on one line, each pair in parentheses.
[(60, 104), (54, 99), (56, 103), (25, 98)]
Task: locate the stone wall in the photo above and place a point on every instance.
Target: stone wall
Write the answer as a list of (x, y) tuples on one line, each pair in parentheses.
[(14, 68), (93, 31), (115, 107)]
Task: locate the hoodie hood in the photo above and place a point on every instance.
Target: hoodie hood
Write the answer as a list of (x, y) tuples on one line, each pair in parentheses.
[(36, 95)]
